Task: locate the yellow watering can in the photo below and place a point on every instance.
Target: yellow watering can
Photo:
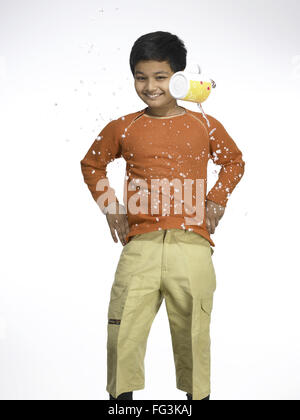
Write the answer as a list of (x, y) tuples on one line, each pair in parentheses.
[(193, 87)]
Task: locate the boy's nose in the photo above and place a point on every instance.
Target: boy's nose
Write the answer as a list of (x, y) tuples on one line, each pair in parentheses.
[(151, 88)]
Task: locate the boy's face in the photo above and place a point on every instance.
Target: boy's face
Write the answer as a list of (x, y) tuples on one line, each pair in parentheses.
[(151, 82)]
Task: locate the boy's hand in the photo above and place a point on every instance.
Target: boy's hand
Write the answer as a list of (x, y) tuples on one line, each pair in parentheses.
[(214, 212), (119, 222)]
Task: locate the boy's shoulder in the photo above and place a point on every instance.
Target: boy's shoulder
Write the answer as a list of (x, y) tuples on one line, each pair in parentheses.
[(124, 119), (204, 119), (122, 122), (119, 124), (201, 116), (210, 121)]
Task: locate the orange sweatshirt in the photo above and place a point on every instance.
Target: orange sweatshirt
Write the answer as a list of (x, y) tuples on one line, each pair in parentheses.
[(174, 149)]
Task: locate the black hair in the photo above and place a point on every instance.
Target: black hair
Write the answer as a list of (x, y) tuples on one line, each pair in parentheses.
[(159, 46)]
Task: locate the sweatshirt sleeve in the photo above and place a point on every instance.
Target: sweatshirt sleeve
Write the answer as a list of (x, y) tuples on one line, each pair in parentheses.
[(224, 152), (104, 150)]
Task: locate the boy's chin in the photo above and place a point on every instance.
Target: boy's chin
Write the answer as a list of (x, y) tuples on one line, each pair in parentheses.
[(153, 103)]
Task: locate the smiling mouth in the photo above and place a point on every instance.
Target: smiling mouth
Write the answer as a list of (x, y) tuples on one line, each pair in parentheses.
[(154, 96)]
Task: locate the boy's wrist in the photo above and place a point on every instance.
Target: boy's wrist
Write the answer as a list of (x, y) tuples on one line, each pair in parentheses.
[(114, 208)]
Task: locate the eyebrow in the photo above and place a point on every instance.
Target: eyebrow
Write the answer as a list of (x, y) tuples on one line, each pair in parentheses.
[(157, 72)]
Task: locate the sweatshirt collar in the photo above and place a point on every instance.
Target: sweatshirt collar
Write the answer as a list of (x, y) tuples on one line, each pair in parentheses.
[(163, 118)]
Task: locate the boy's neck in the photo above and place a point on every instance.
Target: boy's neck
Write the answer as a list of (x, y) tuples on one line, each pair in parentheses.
[(169, 113)]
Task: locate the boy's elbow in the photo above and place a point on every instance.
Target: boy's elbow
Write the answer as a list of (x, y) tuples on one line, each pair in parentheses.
[(82, 166), (84, 163), (242, 166)]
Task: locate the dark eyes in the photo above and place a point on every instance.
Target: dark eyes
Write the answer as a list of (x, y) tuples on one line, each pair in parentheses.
[(142, 78)]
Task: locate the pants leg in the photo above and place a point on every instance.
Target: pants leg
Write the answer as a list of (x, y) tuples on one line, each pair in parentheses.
[(135, 299), (124, 396), (190, 397), (189, 282)]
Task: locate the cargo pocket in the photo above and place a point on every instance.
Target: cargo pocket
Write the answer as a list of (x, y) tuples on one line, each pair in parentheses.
[(207, 305), (206, 310), (117, 302)]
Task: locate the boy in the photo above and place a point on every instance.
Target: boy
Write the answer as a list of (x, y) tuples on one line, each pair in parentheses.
[(167, 254)]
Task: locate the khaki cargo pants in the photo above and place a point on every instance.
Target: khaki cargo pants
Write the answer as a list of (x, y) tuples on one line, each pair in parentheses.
[(176, 265)]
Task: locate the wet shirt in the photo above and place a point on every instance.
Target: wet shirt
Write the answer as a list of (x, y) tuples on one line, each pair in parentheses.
[(165, 185)]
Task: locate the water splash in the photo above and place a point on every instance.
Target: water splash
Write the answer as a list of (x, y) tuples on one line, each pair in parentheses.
[(202, 112)]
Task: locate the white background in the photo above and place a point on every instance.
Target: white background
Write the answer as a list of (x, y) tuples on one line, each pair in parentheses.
[(64, 74)]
